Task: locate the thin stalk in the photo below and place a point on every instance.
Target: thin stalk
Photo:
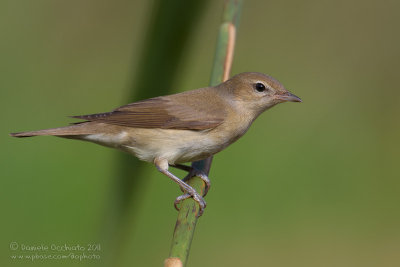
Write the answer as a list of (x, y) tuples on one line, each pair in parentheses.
[(187, 216), (169, 30)]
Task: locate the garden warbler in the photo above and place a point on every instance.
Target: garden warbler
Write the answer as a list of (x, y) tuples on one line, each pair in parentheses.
[(185, 127)]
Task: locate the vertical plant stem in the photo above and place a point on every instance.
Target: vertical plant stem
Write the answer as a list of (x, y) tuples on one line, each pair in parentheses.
[(168, 32), (187, 216)]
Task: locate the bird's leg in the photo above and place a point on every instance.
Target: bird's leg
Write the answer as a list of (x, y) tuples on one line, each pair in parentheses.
[(193, 172), (162, 166)]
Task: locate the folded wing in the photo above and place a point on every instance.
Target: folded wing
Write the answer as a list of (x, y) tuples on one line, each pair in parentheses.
[(167, 112)]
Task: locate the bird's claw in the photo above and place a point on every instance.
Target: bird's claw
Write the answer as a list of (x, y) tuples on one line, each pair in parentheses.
[(196, 197), (197, 173), (188, 191)]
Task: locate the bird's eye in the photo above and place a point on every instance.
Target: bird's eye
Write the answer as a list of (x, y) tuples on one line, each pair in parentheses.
[(260, 87)]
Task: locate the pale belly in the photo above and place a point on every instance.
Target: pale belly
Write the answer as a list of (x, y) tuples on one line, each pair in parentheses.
[(176, 146)]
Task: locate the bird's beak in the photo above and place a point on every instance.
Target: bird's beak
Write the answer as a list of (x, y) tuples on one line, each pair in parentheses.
[(288, 96)]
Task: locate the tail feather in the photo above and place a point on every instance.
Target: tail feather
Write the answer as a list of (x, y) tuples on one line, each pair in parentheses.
[(61, 131)]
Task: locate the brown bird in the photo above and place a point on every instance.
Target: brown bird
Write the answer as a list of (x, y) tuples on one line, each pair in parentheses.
[(185, 127)]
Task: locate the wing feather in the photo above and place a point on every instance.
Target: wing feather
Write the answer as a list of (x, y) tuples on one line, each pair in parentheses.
[(167, 112)]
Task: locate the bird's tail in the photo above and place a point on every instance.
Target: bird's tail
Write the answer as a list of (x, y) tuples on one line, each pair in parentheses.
[(76, 129)]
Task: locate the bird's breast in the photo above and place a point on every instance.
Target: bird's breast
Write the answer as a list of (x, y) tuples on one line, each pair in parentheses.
[(177, 146)]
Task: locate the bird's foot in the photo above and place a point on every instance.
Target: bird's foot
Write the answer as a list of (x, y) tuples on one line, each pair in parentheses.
[(197, 173), (196, 197), (193, 172), (189, 191)]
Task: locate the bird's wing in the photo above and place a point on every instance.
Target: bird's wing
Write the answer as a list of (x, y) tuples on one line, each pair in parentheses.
[(163, 112)]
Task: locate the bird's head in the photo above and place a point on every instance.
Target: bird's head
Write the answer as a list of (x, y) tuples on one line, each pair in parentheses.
[(257, 92)]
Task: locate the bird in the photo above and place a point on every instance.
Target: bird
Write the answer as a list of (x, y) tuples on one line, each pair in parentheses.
[(171, 130)]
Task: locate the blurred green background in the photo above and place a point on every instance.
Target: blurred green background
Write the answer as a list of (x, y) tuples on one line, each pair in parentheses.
[(310, 184)]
